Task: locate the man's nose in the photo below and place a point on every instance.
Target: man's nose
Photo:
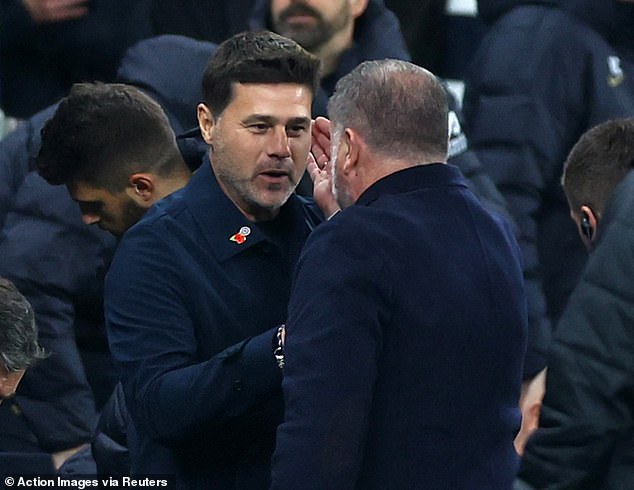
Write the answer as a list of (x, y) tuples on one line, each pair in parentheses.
[(279, 143), (90, 218), (9, 383)]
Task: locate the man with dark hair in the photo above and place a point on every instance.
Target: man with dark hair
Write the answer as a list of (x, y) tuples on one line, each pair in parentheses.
[(19, 348), (341, 33), (115, 177), (587, 416), (407, 320), (595, 166), (197, 287), (114, 149)]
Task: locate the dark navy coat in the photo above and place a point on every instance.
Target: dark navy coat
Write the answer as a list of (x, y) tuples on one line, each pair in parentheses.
[(191, 316), (546, 71), (405, 342)]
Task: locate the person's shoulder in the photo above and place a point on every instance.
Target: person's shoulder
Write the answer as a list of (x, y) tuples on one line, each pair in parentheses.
[(543, 27), (345, 244), (350, 226), (158, 218)]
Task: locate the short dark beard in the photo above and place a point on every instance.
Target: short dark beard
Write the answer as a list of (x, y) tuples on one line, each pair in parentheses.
[(310, 39), (132, 213)]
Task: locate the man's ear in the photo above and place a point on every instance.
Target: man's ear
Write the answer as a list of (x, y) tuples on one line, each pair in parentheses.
[(142, 189), (205, 122), (358, 7), (352, 142), (588, 222)]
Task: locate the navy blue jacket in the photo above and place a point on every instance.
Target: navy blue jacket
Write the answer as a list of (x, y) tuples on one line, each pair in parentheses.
[(405, 341), (191, 316), (59, 264), (586, 435), (545, 72)]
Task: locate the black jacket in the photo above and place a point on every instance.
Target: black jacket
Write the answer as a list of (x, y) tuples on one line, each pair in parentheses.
[(545, 72), (586, 434)]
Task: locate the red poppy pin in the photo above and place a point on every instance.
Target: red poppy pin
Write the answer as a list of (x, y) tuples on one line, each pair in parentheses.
[(241, 236)]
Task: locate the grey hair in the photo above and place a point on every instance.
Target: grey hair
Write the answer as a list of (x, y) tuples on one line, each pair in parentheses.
[(399, 108), (19, 346)]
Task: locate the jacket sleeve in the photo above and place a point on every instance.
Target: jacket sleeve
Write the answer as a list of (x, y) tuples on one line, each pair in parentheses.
[(586, 418), (170, 393)]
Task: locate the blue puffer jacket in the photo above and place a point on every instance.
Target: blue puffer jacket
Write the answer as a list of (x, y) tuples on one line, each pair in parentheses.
[(58, 263), (545, 72)]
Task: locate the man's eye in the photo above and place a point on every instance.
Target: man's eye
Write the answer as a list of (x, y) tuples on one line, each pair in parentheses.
[(90, 207), (296, 130), (258, 128)]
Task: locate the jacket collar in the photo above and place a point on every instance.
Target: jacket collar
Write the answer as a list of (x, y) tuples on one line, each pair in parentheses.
[(412, 179)]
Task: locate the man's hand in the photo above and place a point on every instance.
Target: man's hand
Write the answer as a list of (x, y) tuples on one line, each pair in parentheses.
[(60, 457), (49, 11), (319, 167)]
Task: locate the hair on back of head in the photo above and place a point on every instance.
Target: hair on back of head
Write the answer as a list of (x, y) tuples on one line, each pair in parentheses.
[(19, 346), (597, 163), (398, 107), (256, 57), (101, 133)]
